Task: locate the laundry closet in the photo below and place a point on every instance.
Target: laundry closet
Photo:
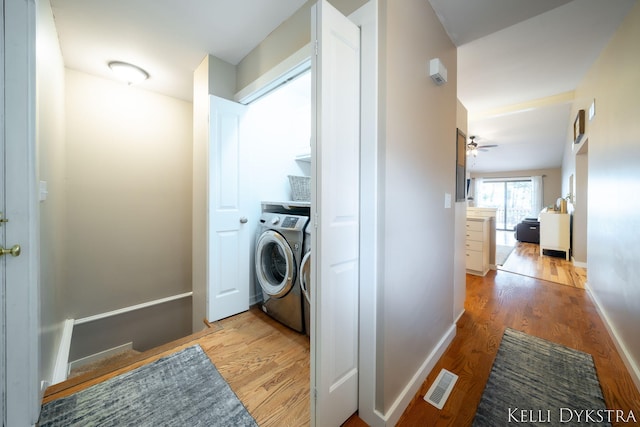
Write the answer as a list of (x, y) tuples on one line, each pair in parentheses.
[(245, 155), (276, 135)]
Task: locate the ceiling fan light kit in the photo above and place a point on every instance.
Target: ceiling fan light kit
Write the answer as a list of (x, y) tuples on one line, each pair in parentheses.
[(473, 147)]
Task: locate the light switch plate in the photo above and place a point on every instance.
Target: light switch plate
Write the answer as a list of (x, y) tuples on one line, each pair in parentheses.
[(447, 200), (43, 191)]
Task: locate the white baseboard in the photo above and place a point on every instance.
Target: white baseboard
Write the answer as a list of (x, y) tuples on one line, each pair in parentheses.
[(101, 355), (120, 311), (397, 409), (455, 322), (632, 367), (60, 370), (578, 263)]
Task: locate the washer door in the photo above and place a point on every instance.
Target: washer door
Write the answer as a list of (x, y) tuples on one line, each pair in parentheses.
[(275, 264), (305, 276)]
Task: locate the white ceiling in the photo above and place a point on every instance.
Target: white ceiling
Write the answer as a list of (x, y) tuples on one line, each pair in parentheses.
[(518, 63), (167, 38), (515, 58)]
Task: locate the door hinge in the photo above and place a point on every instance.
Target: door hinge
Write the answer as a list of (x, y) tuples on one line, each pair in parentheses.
[(315, 220), (315, 394), (316, 47)]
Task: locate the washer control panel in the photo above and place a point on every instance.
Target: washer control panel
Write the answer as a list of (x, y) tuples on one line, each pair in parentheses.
[(284, 221), (290, 222)]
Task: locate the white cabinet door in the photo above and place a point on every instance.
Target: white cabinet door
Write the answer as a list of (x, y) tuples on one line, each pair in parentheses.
[(228, 236), (336, 200)]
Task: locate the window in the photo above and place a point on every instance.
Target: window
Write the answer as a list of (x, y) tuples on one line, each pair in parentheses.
[(513, 199)]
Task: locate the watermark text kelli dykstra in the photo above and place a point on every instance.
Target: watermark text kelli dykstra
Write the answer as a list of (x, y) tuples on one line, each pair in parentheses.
[(568, 415)]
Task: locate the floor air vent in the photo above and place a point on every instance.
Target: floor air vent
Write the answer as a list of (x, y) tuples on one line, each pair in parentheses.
[(441, 388)]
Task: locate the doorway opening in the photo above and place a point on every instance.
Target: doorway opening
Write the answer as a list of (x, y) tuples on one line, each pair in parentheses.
[(276, 135)]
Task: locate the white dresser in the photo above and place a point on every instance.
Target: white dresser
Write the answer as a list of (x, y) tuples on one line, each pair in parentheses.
[(555, 232), (477, 245)]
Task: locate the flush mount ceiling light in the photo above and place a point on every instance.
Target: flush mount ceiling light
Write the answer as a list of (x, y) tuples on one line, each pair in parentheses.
[(128, 72)]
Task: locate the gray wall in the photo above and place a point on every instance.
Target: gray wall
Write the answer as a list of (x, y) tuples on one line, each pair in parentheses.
[(50, 137), (116, 224), (460, 257), (613, 229), (128, 231), (417, 129)]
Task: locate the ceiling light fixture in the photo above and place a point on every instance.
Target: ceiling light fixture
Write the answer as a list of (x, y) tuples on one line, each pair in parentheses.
[(128, 72), (472, 147)]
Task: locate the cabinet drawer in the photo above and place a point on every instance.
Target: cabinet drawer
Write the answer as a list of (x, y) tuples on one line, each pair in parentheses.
[(475, 225), (472, 245), (475, 235), (474, 260)]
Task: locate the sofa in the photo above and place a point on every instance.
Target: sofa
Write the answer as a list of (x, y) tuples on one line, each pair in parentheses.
[(528, 230)]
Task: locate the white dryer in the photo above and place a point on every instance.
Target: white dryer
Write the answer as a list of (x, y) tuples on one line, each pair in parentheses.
[(305, 278), (278, 257)]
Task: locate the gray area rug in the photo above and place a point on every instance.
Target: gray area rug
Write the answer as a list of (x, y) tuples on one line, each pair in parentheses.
[(183, 389), (537, 382), (502, 253)]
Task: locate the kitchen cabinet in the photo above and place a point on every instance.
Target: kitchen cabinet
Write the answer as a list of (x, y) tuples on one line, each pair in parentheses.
[(477, 245)]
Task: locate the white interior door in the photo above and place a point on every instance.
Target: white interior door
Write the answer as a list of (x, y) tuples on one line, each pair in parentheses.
[(20, 398), (229, 233), (3, 341), (336, 198)]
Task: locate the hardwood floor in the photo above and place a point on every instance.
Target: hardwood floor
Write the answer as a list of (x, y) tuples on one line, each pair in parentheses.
[(526, 260), (264, 363), (267, 364), (561, 314)]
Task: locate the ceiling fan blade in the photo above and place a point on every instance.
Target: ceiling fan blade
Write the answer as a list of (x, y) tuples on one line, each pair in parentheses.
[(487, 146)]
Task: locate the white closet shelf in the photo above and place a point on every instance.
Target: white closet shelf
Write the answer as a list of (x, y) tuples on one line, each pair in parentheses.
[(304, 157)]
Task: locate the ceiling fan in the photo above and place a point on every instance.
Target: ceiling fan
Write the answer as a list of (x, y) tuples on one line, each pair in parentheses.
[(473, 147)]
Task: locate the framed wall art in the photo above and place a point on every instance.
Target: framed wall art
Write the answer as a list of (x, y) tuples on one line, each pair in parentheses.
[(578, 127)]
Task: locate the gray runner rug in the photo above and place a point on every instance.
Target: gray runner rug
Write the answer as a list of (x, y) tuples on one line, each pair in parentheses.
[(537, 382), (502, 253), (183, 389)]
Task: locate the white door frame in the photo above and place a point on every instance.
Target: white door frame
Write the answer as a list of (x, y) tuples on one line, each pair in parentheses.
[(3, 342), (22, 397), (366, 17)]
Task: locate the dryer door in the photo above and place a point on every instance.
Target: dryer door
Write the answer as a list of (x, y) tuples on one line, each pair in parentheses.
[(275, 264), (305, 276)]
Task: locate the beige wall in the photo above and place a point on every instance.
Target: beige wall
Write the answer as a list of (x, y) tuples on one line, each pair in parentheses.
[(613, 174), (128, 213), (50, 137), (417, 130), (460, 258)]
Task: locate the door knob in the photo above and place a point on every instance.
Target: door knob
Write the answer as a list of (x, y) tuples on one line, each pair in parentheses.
[(14, 251), (243, 220)]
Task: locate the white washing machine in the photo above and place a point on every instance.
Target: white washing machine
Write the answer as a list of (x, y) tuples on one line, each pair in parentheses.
[(305, 278), (278, 258)]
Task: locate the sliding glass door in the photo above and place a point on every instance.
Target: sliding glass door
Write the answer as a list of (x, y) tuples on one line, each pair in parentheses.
[(513, 200)]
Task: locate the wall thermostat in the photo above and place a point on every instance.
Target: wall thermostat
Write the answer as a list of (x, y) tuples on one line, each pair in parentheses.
[(437, 71)]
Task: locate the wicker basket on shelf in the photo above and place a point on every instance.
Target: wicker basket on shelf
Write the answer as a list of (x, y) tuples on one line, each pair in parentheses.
[(300, 188)]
